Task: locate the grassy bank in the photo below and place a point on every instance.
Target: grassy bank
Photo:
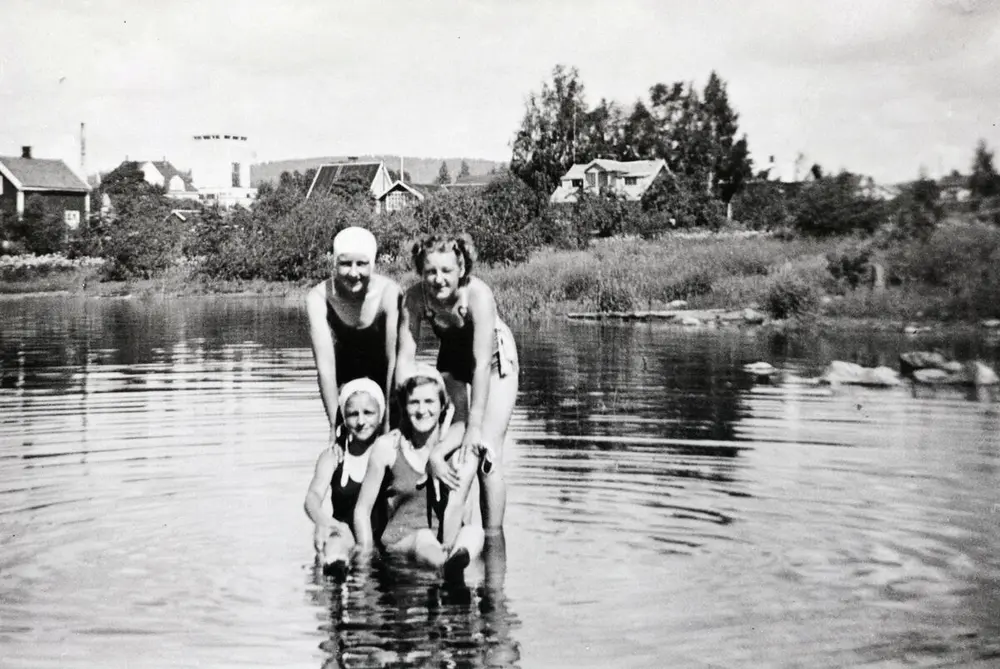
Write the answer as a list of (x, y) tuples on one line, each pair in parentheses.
[(952, 276)]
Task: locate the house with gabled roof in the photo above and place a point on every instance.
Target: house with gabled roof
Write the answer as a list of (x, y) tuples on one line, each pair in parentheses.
[(629, 179), (401, 195), (177, 184), (373, 174), (50, 179)]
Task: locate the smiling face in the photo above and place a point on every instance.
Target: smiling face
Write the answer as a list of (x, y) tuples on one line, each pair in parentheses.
[(442, 273), (353, 271), (361, 416), (423, 407)]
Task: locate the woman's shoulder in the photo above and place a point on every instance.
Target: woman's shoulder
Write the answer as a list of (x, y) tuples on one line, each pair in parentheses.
[(317, 295), (385, 448)]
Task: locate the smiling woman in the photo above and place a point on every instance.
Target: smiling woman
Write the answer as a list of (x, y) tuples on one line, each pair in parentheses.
[(477, 358), (353, 319)]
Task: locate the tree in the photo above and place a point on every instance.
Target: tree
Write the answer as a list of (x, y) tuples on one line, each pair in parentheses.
[(984, 181), (394, 175), (41, 228), (443, 177), (834, 205), (463, 171), (546, 145)]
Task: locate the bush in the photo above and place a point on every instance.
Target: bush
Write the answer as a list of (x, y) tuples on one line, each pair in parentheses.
[(791, 296), (837, 206), (761, 205), (40, 230), (604, 214), (849, 267), (680, 203)]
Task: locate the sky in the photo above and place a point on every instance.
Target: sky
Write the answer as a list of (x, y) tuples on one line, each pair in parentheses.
[(883, 88)]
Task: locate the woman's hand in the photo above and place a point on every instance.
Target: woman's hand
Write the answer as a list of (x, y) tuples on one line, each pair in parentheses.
[(320, 535), (472, 442), (335, 448), (444, 471)]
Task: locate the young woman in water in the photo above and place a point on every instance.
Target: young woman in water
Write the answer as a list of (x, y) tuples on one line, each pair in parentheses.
[(477, 358), (397, 472), (362, 405), (353, 324)]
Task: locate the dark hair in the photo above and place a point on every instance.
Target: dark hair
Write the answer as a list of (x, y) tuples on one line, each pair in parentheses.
[(403, 396), (461, 245)]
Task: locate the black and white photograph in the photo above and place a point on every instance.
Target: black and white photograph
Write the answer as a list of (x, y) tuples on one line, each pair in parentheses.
[(499, 334)]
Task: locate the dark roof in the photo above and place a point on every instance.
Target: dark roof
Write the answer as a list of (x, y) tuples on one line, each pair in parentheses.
[(168, 171), (476, 179), (954, 181), (428, 189), (42, 174), (329, 174)]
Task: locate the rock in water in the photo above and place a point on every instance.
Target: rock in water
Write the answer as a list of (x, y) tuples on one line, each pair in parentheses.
[(849, 373)]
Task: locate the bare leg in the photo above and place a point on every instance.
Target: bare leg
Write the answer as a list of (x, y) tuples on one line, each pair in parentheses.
[(421, 546), (492, 487)]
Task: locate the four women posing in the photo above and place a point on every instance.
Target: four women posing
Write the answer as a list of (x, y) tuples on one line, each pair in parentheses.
[(453, 418)]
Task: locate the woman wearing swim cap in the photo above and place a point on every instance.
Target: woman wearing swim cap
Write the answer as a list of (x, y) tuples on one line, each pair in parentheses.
[(353, 323), (362, 405), (477, 358)]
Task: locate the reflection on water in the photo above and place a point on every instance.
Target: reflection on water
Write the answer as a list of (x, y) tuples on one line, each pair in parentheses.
[(663, 509), (388, 613)]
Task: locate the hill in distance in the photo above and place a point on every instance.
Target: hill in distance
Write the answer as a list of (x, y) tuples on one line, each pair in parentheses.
[(422, 170)]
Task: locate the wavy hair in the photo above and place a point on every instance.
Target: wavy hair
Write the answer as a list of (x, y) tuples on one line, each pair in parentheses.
[(461, 245)]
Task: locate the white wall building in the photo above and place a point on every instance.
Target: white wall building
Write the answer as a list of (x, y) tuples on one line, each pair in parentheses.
[(220, 168)]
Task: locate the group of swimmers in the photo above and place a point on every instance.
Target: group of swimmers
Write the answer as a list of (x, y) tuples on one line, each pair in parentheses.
[(409, 441)]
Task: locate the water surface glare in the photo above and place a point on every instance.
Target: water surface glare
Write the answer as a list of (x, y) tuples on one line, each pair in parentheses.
[(664, 510)]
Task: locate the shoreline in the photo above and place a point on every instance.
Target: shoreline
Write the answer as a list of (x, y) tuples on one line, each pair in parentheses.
[(708, 317)]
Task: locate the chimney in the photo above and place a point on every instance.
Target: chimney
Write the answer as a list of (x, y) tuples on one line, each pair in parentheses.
[(26, 152)]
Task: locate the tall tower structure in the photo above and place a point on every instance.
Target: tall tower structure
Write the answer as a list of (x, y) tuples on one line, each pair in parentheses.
[(220, 167)]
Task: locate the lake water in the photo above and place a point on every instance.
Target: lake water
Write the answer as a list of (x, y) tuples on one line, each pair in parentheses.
[(663, 509)]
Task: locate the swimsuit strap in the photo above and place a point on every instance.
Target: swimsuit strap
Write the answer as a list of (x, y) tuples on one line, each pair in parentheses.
[(462, 306)]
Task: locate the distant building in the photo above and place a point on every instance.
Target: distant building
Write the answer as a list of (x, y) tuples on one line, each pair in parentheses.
[(60, 187), (955, 187), (178, 185), (474, 181), (220, 169), (373, 174), (401, 195), (629, 179)]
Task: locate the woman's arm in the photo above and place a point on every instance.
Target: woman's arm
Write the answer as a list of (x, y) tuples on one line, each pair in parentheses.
[(318, 487), (323, 352), (392, 301), (378, 462), (483, 311), (409, 335)]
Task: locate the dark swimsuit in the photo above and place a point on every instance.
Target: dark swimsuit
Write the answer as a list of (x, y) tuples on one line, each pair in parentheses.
[(455, 355), (360, 352), (344, 497)]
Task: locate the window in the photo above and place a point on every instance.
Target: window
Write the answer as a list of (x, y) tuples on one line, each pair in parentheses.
[(395, 201), (236, 176), (591, 179), (72, 218), (631, 181), (577, 183)]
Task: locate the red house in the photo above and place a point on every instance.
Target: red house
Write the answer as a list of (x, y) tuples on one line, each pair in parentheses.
[(52, 180)]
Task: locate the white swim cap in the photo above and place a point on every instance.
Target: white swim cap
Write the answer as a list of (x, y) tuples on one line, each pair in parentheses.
[(355, 240), (364, 385)]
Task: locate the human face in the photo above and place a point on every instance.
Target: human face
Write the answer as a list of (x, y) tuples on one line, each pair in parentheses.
[(361, 416), (442, 272), (353, 272), (423, 407)]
